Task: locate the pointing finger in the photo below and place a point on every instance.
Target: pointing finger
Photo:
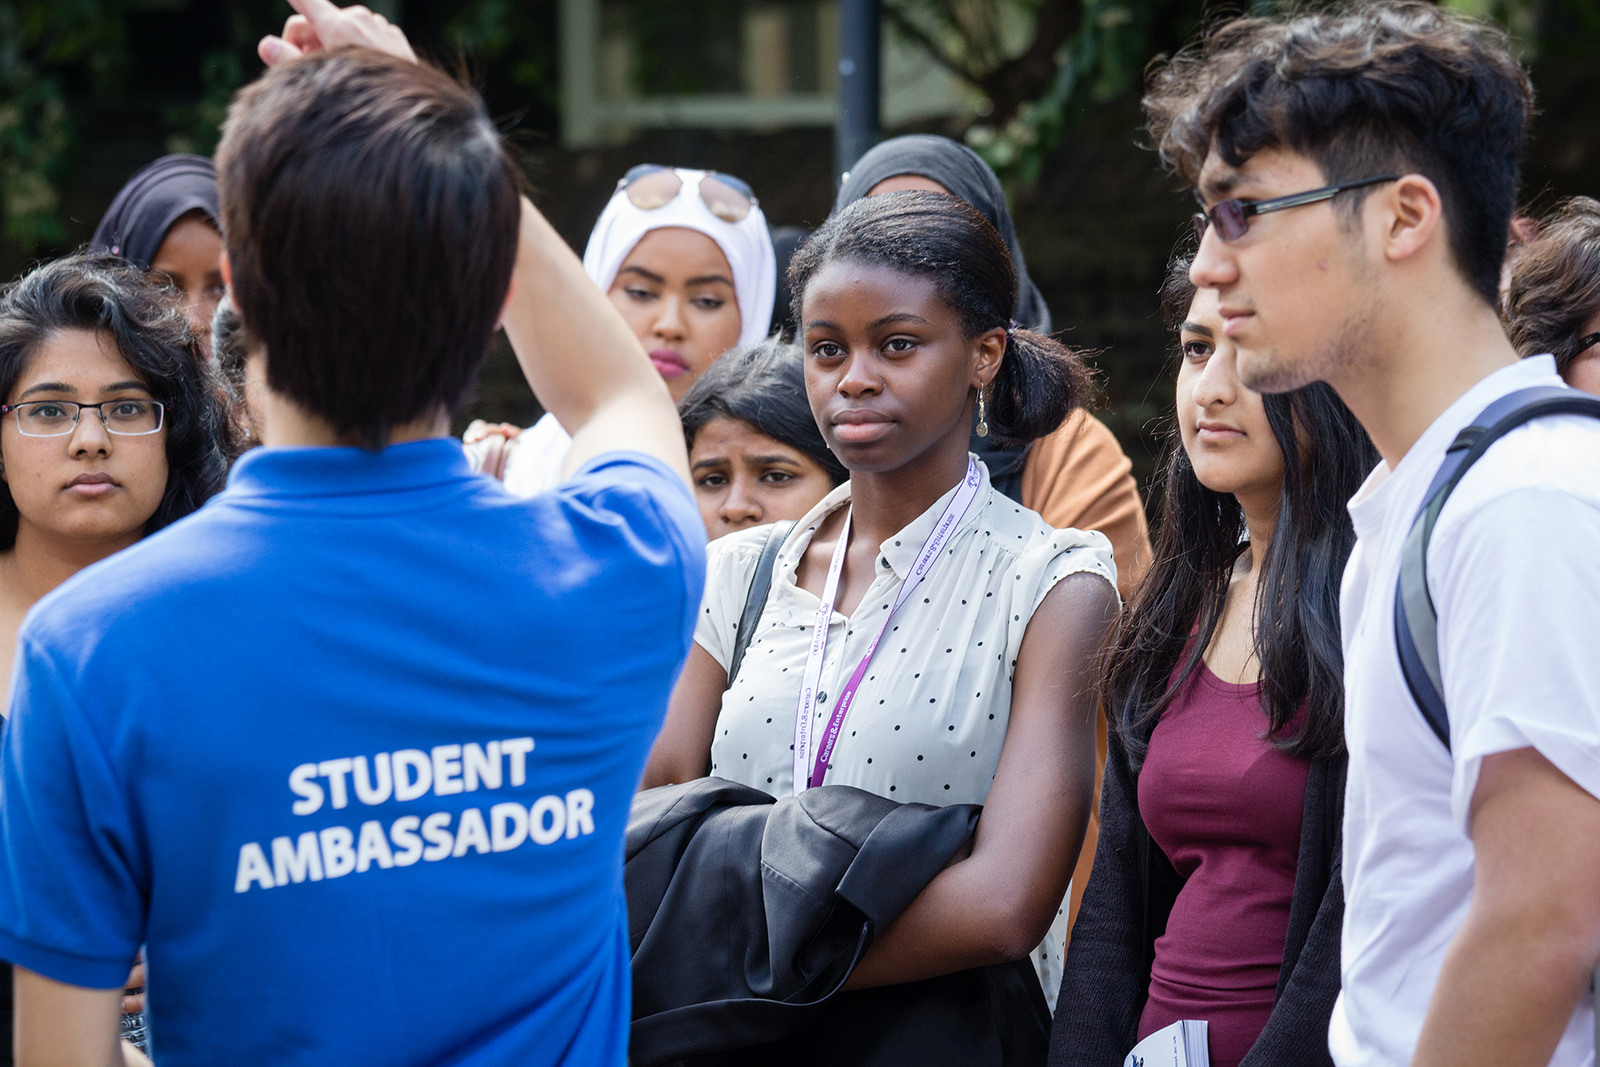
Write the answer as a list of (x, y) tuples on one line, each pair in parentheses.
[(320, 24), (315, 10), (274, 50), (299, 32)]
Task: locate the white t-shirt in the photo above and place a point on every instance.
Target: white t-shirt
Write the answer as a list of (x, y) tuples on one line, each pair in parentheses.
[(930, 716), (534, 465), (1514, 570)]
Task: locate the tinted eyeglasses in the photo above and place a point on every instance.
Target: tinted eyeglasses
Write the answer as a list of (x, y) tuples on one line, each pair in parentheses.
[(1232, 217), (1585, 342), (651, 185)]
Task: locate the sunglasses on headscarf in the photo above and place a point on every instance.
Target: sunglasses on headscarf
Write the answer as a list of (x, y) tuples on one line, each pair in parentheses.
[(651, 185)]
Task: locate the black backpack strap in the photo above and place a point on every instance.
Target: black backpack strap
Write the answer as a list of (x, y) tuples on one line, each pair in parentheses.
[(756, 598), (1007, 463), (1416, 623)]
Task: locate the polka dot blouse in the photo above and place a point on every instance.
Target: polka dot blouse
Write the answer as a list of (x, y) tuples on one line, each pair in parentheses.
[(930, 717)]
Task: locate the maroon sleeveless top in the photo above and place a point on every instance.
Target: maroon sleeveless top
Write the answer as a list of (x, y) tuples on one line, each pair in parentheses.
[(1225, 807)]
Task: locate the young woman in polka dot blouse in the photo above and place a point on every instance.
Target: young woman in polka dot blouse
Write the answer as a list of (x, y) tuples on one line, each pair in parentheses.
[(981, 687)]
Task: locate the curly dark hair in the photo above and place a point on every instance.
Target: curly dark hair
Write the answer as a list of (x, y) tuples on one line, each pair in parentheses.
[(932, 235), (1387, 87), (105, 294), (1555, 283)]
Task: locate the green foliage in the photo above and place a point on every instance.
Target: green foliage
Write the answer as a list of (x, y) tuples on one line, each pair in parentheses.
[(1040, 62), (197, 127), (38, 39), (515, 38), (1103, 61), (34, 135), (1110, 44), (683, 46), (60, 58), (47, 34)]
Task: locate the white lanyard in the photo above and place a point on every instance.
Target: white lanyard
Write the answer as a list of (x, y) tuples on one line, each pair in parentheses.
[(809, 773)]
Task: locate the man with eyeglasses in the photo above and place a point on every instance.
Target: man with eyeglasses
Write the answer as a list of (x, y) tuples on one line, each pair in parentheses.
[(1357, 171), (351, 750)]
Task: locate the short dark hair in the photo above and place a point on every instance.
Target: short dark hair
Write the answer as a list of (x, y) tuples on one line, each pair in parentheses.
[(1400, 86), (107, 295), (764, 387), (229, 345), (1555, 283), (231, 349), (371, 215), (932, 235)]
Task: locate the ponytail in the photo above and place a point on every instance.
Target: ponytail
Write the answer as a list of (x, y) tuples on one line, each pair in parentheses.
[(1039, 383)]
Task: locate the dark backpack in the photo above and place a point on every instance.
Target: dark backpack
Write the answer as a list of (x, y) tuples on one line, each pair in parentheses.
[(1416, 623), (755, 598)]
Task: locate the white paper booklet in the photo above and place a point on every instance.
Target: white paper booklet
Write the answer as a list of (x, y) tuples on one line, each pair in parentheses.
[(1183, 1044)]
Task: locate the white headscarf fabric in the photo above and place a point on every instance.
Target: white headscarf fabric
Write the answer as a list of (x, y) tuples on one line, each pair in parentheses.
[(745, 243)]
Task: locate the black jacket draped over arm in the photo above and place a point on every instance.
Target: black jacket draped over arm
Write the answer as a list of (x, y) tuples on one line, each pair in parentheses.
[(747, 915)]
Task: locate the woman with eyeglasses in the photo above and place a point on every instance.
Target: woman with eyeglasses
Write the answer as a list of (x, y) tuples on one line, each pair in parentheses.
[(961, 629), (109, 431), (1215, 893), (686, 257)]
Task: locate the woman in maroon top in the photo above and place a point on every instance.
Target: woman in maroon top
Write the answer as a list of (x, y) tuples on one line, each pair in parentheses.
[(1215, 890)]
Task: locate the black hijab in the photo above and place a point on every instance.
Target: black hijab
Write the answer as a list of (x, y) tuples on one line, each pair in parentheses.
[(152, 201), (963, 172)]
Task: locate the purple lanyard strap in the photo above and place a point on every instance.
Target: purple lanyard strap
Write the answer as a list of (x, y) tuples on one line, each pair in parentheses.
[(812, 772)]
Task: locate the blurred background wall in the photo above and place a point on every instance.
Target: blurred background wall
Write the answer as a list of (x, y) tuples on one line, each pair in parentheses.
[(1047, 90)]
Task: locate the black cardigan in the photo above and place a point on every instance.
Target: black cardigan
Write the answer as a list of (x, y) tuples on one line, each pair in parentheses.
[(1132, 886)]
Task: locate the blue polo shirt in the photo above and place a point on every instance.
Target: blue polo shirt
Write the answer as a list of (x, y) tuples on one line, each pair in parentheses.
[(351, 751)]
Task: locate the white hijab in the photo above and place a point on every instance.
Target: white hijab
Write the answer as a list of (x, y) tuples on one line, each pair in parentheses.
[(746, 244)]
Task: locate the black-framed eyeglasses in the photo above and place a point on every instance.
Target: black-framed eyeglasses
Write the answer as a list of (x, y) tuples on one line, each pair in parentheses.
[(651, 185), (128, 417), (1585, 342), (1232, 217)]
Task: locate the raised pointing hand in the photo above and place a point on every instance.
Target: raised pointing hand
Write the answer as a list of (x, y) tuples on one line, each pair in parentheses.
[(320, 24)]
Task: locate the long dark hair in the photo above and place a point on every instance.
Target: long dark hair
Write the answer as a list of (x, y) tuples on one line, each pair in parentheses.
[(764, 387), (1179, 604), (931, 235), (104, 294)]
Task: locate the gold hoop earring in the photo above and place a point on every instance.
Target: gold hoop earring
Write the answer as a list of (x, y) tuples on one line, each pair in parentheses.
[(982, 428)]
